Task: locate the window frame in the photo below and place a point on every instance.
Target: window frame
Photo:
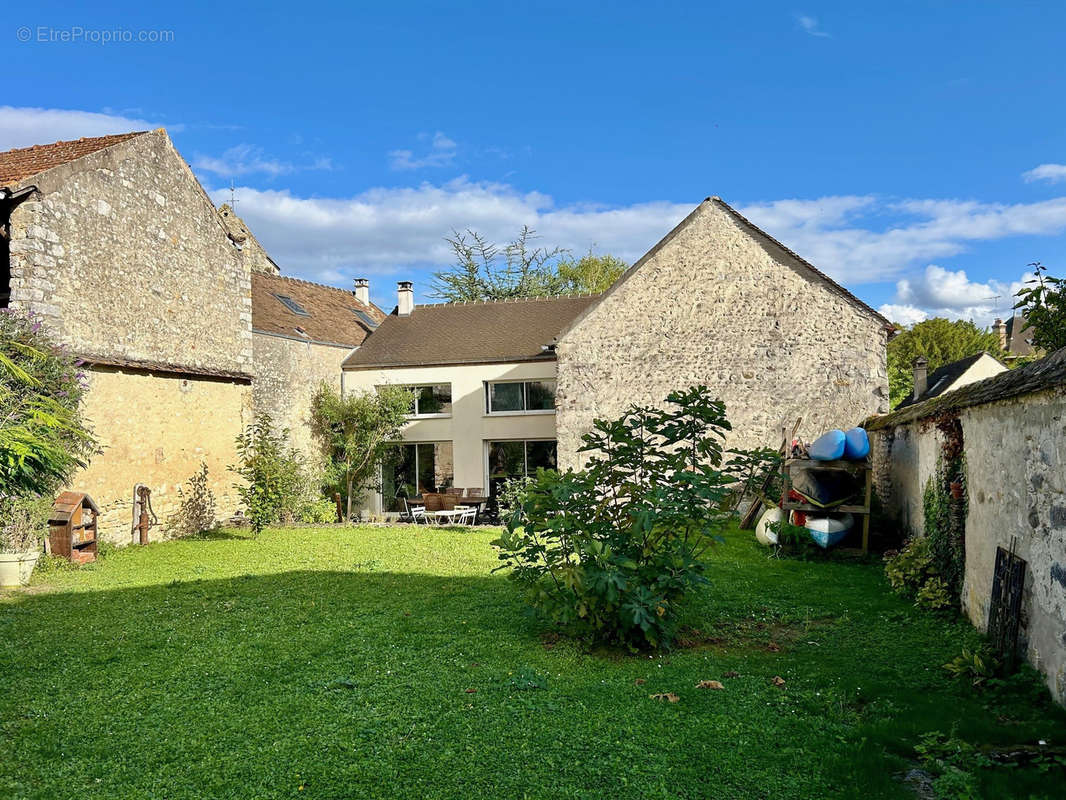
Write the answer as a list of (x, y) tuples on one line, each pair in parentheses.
[(526, 411), (525, 442), (414, 387), (282, 298)]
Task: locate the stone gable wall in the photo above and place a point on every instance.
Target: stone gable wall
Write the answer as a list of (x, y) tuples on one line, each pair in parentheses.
[(122, 255), (287, 372), (715, 306)]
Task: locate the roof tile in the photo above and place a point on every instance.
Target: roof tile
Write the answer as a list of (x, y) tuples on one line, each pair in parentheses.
[(331, 312), (21, 163)]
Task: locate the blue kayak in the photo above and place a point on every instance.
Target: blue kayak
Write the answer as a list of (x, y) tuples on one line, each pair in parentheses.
[(828, 446), (856, 444)]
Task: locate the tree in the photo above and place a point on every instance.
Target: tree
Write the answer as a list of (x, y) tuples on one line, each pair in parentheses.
[(355, 431), (272, 474), (941, 342), (485, 271), (1043, 303), (43, 438), (590, 274)]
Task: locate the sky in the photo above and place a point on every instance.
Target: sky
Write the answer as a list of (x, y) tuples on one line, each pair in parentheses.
[(915, 152)]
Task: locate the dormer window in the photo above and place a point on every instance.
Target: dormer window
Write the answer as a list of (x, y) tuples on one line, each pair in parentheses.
[(292, 305)]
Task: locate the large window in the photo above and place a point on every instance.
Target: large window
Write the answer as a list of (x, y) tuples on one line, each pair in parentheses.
[(520, 397), (432, 400), (517, 459), (411, 469)]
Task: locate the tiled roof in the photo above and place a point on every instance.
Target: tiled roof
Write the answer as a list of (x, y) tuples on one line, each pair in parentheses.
[(470, 333), (941, 379), (1038, 376), (24, 162), (330, 312)]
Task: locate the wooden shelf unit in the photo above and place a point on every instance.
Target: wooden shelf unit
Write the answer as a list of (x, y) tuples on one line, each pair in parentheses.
[(861, 469)]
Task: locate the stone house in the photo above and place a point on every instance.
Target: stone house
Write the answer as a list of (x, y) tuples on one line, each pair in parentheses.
[(951, 376), (1012, 431), (186, 326), (301, 332), (113, 243), (510, 386)]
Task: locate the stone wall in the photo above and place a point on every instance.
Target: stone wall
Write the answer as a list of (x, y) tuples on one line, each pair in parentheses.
[(1016, 487), (715, 305), (156, 429), (122, 255), (287, 372)]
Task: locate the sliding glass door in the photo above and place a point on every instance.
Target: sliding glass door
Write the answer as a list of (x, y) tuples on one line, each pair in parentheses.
[(516, 459), (411, 469)]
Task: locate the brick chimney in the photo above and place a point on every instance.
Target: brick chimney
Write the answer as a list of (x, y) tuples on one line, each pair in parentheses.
[(921, 376), (999, 327), (362, 291), (405, 298)]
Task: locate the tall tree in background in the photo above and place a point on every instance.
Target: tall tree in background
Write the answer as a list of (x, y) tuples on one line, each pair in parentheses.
[(521, 268), (354, 432), (1043, 303), (590, 274), (941, 341)]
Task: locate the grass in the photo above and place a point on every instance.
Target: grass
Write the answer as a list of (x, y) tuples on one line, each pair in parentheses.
[(391, 662)]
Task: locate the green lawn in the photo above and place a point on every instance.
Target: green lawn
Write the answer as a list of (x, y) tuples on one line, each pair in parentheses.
[(390, 662)]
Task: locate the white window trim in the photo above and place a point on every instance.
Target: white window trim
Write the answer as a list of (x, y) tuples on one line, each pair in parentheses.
[(423, 386), (485, 448), (524, 413)]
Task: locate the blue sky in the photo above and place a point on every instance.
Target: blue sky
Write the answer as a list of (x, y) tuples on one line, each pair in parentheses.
[(914, 151)]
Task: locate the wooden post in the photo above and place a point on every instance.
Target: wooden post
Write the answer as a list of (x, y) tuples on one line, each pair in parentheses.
[(866, 516)]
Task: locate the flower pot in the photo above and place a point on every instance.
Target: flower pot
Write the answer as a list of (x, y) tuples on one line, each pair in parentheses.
[(956, 489), (16, 568)]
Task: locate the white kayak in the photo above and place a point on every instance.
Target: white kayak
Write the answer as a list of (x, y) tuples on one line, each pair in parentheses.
[(828, 531), (763, 533)]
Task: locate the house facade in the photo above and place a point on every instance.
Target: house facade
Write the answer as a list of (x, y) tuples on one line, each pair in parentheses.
[(950, 377), (512, 386), (116, 248)]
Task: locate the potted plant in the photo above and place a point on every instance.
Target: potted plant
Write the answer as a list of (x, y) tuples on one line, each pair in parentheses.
[(21, 531)]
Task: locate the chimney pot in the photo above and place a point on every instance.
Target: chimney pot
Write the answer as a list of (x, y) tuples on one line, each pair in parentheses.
[(999, 328), (921, 376), (362, 291), (405, 298)]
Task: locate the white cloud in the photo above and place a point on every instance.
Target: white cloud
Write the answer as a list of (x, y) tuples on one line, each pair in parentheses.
[(441, 153), (810, 25), (246, 159), (24, 126), (1052, 173), (939, 292), (389, 231), (863, 239)]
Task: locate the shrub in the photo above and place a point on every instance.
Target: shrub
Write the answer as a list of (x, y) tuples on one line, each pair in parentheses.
[(43, 439), (274, 482), (976, 666), (913, 574), (318, 512), (509, 497), (196, 508), (613, 550), (23, 522)]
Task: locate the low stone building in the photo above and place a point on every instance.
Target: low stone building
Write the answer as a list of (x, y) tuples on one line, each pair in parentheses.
[(511, 386), (1012, 432), (950, 377), (114, 245)]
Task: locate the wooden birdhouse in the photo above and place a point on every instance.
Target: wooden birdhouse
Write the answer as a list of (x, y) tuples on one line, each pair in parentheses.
[(72, 527)]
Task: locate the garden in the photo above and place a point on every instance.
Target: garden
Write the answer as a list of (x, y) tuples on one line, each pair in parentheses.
[(616, 635)]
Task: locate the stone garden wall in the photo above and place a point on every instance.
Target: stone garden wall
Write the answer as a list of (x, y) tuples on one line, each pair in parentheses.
[(1015, 452)]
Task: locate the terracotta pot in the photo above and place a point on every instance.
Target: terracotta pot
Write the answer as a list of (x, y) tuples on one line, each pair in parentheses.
[(16, 568)]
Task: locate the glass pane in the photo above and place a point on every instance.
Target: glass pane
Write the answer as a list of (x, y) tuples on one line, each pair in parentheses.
[(540, 395), (435, 399), (443, 469), (505, 397), (506, 460), (398, 473), (427, 476), (540, 454)]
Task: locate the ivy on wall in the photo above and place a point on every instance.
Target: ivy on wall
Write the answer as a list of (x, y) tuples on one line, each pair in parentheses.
[(944, 507)]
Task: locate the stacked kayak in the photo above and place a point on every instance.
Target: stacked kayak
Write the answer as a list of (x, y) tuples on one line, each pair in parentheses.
[(835, 445)]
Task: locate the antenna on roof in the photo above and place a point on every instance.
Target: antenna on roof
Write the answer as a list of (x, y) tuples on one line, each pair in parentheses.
[(995, 297)]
